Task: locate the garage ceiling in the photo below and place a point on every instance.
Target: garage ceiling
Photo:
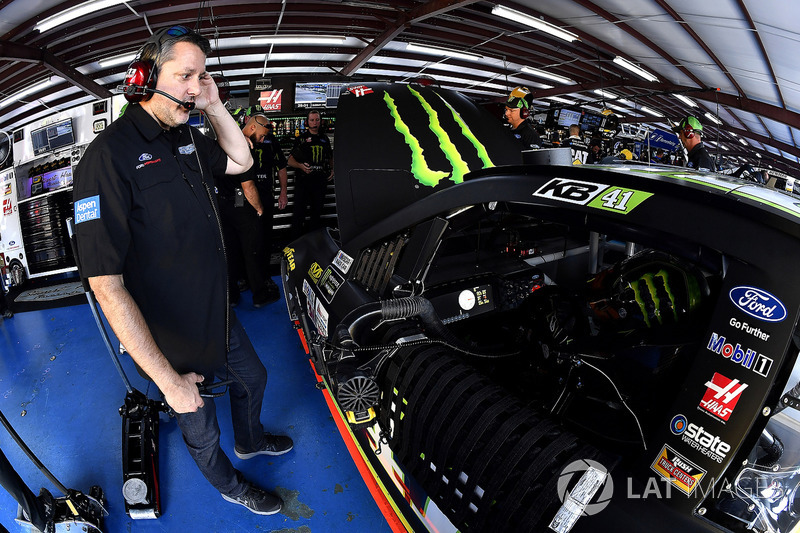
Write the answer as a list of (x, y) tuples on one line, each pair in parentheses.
[(734, 59)]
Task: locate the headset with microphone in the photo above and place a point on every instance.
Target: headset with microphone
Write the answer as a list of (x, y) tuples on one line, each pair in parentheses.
[(141, 76)]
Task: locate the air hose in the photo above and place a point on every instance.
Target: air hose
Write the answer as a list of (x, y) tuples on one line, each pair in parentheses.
[(397, 309)]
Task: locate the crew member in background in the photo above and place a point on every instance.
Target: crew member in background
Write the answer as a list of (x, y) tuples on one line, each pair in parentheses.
[(243, 209), (518, 107), (690, 132), (312, 156), (150, 243), (595, 151), (267, 157), (578, 148)]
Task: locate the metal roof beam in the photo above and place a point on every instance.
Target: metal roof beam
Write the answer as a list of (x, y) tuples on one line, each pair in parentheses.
[(29, 54), (431, 9)]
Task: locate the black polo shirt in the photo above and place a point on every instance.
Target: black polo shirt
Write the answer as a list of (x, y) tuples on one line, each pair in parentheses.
[(527, 135), (144, 208), (316, 151), (700, 159), (267, 155)]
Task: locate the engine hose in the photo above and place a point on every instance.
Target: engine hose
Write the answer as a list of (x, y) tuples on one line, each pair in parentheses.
[(400, 308)]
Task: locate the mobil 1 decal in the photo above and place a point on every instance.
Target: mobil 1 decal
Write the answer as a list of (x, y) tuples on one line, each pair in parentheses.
[(597, 195)]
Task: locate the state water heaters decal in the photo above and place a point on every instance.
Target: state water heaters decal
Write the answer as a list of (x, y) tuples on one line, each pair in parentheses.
[(699, 438), (419, 165)]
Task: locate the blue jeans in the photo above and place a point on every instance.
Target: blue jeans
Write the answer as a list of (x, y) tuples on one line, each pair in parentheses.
[(201, 429)]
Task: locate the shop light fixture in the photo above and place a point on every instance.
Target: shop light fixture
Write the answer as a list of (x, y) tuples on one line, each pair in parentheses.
[(75, 12), (639, 71), (298, 39), (758, 155), (543, 74), (435, 50), (686, 100), (712, 118), (116, 60), (605, 94), (561, 100), (723, 147), (650, 111), (533, 22), (36, 87), (743, 142)]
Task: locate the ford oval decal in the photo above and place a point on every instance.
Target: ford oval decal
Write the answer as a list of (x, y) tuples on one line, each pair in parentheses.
[(758, 303)]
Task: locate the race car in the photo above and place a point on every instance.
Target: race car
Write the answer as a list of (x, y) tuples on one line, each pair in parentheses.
[(534, 347)]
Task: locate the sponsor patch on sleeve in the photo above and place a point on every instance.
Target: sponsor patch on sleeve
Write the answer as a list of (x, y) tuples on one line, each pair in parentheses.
[(87, 209)]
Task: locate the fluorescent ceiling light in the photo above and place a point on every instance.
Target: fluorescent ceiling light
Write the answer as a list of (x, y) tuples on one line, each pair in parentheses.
[(547, 75), (75, 12), (36, 87), (605, 94), (639, 71), (117, 60), (298, 39), (562, 100), (758, 155), (733, 134), (685, 100), (533, 22), (435, 50), (650, 111), (723, 147), (743, 142), (712, 118)]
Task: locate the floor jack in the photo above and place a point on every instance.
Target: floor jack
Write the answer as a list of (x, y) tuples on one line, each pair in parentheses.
[(74, 509)]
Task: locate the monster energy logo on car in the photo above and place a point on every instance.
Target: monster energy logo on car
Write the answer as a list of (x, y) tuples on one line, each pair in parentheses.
[(657, 300), (419, 166)]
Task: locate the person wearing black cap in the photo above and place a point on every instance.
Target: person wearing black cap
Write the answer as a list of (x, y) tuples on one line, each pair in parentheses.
[(690, 132), (516, 113)]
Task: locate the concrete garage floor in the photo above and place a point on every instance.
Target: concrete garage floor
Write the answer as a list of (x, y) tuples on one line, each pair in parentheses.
[(61, 392)]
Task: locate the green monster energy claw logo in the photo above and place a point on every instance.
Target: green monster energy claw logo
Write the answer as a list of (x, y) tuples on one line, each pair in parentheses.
[(316, 153), (419, 166), (655, 286)]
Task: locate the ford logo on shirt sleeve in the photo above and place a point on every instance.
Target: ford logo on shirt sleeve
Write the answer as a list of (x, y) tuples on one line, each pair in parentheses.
[(758, 303)]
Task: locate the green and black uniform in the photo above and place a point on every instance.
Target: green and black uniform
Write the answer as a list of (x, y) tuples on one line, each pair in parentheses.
[(309, 189)]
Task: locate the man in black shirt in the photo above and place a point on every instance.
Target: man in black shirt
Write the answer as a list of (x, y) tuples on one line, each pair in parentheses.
[(516, 113), (312, 156), (150, 243), (690, 132), (242, 209), (578, 148), (268, 158)]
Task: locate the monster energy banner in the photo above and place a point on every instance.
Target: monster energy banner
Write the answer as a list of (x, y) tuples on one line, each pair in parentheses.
[(417, 140)]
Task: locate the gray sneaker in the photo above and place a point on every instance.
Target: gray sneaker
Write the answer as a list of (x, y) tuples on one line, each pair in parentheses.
[(257, 501), (273, 445)]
